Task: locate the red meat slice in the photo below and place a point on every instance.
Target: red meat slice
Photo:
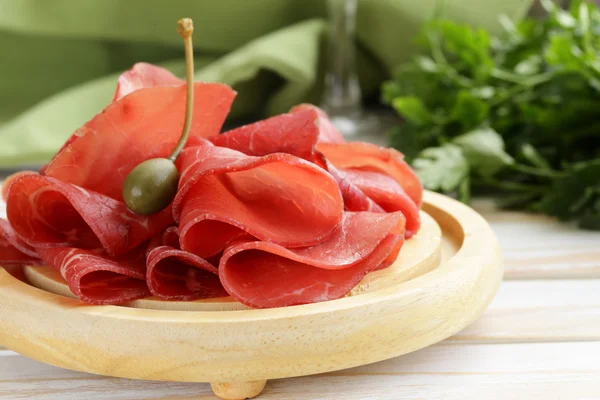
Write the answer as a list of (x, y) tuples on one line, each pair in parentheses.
[(142, 125), (294, 134), (46, 212), (262, 275), (98, 279), (225, 196), (144, 75), (369, 157), (9, 181), (170, 237), (387, 194), (13, 250), (179, 275), (354, 198), (328, 133)]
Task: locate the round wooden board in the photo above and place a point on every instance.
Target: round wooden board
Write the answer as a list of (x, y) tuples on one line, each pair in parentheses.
[(419, 255), (237, 351)]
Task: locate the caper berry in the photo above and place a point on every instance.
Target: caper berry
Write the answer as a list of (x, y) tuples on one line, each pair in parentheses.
[(151, 186)]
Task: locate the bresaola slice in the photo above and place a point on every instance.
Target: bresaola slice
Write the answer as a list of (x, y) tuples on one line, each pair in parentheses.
[(369, 157), (387, 194), (354, 198), (141, 125), (47, 212), (328, 133), (263, 275), (144, 75), (295, 134), (9, 181), (224, 196), (13, 250), (179, 275), (97, 278)]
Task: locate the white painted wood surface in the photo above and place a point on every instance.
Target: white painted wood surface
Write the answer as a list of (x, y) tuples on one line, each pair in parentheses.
[(540, 339), (535, 371)]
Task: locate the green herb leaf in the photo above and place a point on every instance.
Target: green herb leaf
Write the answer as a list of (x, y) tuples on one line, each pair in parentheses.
[(484, 149), (516, 115), (469, 110), (562, 198), (442, 168), (412, 109)]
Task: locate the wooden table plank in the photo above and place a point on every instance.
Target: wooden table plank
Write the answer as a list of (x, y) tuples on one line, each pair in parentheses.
[(539, 311), (541, 371), (539, 247)]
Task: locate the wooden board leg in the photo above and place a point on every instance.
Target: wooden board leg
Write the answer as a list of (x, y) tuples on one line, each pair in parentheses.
[(238, 390)]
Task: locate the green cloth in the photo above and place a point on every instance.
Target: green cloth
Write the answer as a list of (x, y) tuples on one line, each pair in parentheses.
[(61, 58)]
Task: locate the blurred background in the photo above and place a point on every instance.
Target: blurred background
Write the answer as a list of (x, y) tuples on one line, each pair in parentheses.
[(61, 58)]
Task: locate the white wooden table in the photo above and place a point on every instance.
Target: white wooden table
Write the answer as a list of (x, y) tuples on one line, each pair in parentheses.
[(540, 339)]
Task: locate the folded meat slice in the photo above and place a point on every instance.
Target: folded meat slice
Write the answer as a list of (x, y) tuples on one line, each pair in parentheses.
[(263, 275), (174, 274), (97, 278), (387, 194), (328, 133), (297, 133), (226, 196), (13, 250), (46, 212), (9, 181), (354, 198), (369, 157), (141, 125), (144, 75), (294, 134)]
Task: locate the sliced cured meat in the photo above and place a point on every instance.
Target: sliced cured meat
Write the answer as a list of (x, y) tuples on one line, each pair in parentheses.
[(179, 275), (144, 75), (297, 134), (46, 212), (369, 157), (262, 275), (13, 250), (225, 195), (170, 237), (387, 194), (142, 125), (98, 279), (354, 198), (294, 134), (9, 181), (328, 133)]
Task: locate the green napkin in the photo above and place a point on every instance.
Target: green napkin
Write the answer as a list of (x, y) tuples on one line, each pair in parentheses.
[(61, 58)]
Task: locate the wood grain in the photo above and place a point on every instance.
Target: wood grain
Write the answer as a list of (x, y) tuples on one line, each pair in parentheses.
[(539, 311), (540, 371), (539, 247)]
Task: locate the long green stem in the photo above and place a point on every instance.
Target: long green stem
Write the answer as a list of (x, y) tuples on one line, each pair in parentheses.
[(514, 186), (185, 28), (536, 171)]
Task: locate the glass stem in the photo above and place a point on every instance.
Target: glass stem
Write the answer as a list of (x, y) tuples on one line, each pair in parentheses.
[(342, 89)]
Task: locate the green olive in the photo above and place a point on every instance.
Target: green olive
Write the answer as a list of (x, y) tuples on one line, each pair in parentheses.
[(151, 186)]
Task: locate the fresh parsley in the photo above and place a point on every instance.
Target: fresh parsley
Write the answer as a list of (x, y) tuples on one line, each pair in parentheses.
[(517, 116)]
